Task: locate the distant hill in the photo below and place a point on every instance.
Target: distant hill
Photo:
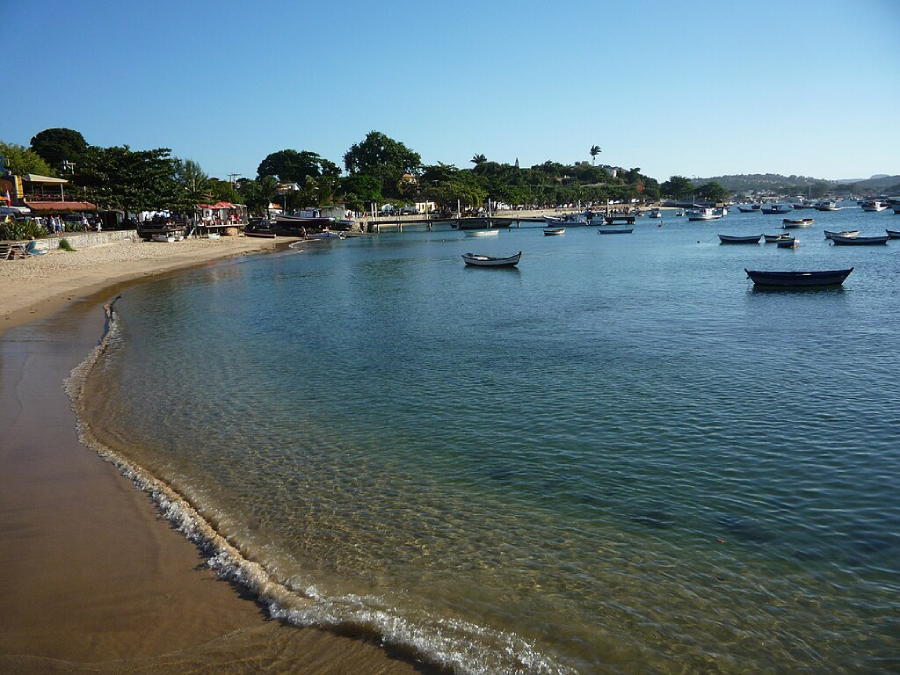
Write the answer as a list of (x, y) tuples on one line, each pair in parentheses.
[(816, 187)]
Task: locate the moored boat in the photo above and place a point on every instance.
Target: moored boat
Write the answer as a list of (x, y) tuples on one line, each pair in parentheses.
[(749, 208), (618, 230), (774, 238), (858, 241), (798, 279), (554, 231), (326, 234), (827, 206), (797, 222), (893, 234), (776, 209), (740, 239), (843, 233), (491, 261), (654, 213), (481, 233), (873, 205), (789, 242), (704, 213)]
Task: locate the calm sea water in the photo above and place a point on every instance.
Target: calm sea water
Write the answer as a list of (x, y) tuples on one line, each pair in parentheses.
[(616, 458)]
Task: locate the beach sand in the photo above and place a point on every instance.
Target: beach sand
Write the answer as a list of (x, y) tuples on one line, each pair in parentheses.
[(93, 579)]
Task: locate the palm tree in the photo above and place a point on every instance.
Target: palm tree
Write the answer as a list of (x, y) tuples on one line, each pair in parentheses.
[(595, 150), (478, 159)]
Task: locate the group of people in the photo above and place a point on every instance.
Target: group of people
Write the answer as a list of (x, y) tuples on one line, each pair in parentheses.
[(56, 224)]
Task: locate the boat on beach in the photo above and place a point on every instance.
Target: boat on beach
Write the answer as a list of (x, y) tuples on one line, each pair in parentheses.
[(554, 231), (798, 279), (475, 260), (739, 239), (838, 240)]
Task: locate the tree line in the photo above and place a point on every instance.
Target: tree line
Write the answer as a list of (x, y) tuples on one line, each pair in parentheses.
[(377, 170)]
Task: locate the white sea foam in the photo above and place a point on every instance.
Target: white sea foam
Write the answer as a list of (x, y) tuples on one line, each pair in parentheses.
[(465, 647)]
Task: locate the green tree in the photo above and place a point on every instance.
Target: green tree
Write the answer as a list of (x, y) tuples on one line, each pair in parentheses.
[(677, 187), (713, 192), (385, 159), (478, 159), (223, 191), (360, 192), (193, 181), (293, 166), (21, 161), (132, 181), (595, 150), (60, 145), (258, 194)]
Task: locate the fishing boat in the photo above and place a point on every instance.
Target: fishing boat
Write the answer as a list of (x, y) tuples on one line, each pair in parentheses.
[(749, 208), (732, 239), (827, 206), (797, 222), (873, 205), (704, 213), (554, 231), (858, 241), (776, 209), (798, 279), (491, 261), (617, 230), (893, 234), (789, 242), (654, 213), (842, 233), (774, 238), (481, 233)]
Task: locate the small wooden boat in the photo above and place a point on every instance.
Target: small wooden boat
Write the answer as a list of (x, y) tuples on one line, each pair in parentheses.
[(749, 208), (774, 238), (554, 231), (798, 279), (789, 242), (731, 239), (858, 241), (704, 214), (262, 235), (797, 222), (893, 234), (843, 233), (491, 261), (481, 233), (618, 230)]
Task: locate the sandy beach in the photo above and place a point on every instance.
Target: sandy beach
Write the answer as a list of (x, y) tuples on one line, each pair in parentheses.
[(94, 579)]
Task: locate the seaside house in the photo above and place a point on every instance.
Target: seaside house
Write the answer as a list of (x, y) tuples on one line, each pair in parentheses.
[(46, 195)]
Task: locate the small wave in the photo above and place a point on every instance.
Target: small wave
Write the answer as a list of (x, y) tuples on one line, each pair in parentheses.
[(461, 646)]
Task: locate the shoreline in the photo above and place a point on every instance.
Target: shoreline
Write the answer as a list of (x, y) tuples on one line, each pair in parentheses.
[(95, 579)]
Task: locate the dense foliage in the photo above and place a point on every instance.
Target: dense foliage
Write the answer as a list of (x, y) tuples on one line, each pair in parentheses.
[(21, 161), (18, 230)]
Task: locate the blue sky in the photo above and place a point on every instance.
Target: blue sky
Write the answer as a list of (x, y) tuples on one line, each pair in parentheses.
[(807, 87)]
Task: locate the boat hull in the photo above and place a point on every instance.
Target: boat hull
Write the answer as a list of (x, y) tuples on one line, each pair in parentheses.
[(554, 232), (473, 260), (838, 240), (798, 279), (729, 239), (620, 230)]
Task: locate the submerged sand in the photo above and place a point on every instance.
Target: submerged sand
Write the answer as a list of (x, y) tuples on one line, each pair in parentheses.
[(93, 579)]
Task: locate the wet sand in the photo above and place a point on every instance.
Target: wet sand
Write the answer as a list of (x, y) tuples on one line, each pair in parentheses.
[(93, 579)]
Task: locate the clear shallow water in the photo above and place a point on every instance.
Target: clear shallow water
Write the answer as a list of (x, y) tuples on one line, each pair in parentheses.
[(617, 457)]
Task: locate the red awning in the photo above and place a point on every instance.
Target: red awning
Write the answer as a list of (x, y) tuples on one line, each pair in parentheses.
[(59, 207), (217, 205)]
